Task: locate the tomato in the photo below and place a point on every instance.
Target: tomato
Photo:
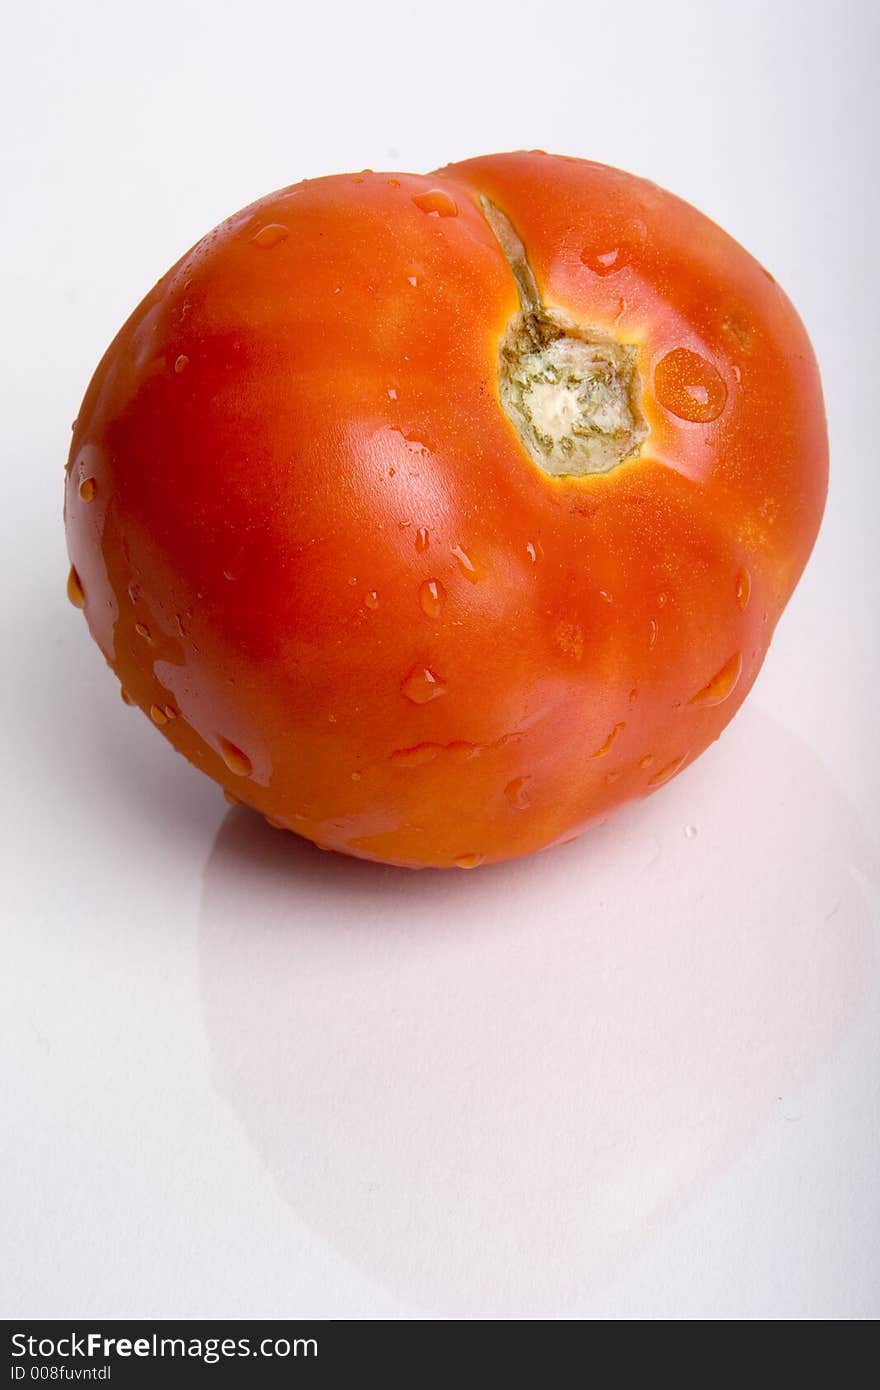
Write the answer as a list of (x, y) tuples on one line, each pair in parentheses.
[(434, 517)]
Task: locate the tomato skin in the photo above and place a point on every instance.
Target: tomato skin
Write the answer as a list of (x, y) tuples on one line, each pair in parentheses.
[(312, 547)]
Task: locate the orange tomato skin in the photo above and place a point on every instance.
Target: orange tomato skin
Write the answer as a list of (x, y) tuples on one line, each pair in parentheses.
[(312, 547)]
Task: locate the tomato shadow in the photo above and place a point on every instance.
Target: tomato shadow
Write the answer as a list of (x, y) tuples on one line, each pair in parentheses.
[(488, 1090)]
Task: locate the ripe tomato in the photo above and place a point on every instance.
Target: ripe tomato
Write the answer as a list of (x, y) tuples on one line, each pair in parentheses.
[(434, 517)]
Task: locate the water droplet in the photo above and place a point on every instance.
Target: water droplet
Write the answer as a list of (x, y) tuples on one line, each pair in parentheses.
[(392, 393), (690, 832), (609, 742), (355, 776), (653, 630), (469, 861), (124, 696), (646, 760), (371, 600), (517, 793), (87, 489), (421, 685), (432, 597), (412, 280), (422, 539), (722, 684), (605, 596), (463, 752), (466, 564), (436, 203), (689, 386), (158, 715), (143, 631), (75, 589), (270, 235), (613, 244), (743, 588), (417, 756), (737, 373), (532, 552), (233, 800), (237, 761), (668, 771), (181, 363), (662, 600), (170, 712)]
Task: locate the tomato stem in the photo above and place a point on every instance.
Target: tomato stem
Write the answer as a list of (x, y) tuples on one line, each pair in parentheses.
[(572, 393)]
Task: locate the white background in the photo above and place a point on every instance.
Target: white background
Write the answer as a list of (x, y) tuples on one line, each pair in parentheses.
[(636, 1077)]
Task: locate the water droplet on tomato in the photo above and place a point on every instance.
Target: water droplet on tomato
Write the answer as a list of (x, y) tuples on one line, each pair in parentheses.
[(392, 393), (87, 489), (371, 600), (517, 793), (233, 800), (613, 245), (463, 752), (237, 761), (436, 203), (75, 589), (416, 756), (270, 235), (688, 386), (143, 631), (743, 588), (668, 771), (653, 630), (609, 742), (646, 760), (722, 684), (466, 564), (124, 696), (170, 712), (432, 597), (412, 280), (469, 861), (422, 539), (158, 715), (605, 596), (421, 685), (181, 363)]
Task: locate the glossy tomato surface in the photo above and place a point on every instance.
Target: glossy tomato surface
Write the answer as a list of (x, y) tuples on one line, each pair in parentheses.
[(311, 543)]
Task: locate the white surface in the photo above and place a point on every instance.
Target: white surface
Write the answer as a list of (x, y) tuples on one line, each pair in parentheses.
[(636, 1077)]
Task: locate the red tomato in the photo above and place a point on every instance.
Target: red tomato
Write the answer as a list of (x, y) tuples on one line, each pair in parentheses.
[(435, 517)]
